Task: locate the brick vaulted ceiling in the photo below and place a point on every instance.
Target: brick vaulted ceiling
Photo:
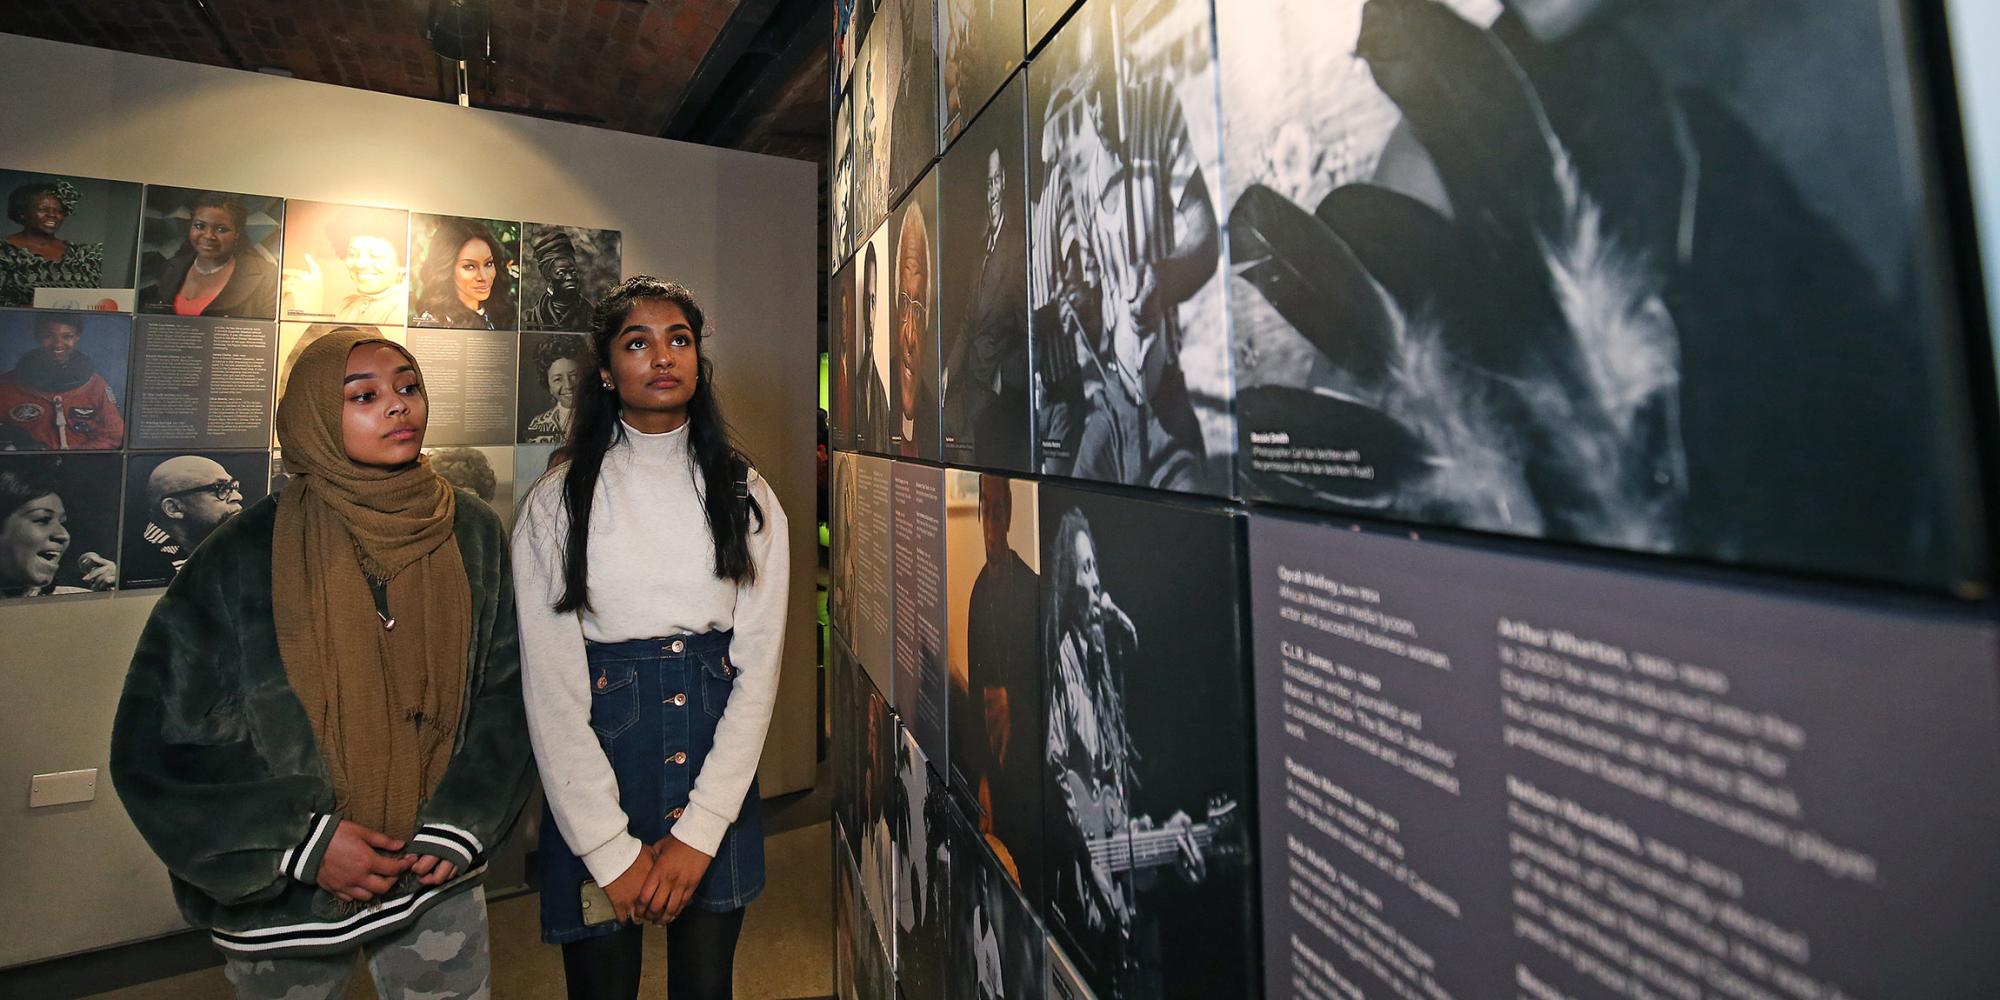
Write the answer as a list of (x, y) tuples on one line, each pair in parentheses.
[(749, 74)]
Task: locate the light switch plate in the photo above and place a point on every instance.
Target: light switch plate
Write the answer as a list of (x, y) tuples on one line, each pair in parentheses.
[(62, 788)]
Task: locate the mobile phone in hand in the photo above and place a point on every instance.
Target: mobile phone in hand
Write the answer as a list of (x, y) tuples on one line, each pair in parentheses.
[(597, 908)]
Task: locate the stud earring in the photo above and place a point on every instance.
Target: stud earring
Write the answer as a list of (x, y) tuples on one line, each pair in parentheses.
[(608, 385)]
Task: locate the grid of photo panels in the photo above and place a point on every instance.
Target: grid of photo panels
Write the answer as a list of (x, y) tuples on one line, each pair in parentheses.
[(1583, 273), (147, 333)]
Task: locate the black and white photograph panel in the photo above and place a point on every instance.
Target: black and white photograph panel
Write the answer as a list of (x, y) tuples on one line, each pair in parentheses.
[(913, 335), (980, 44), (554, 368), (996, 947), (69, 241), (58, 524), (983, 289), (840, 190), (845, 750), (210, 253), (173, 501), (566, 270), (861, 965), (907, 32), (875, 841), (1065, 981), (1124, 278), (993, 564), (1043, 16), (62, 380), (923, 873), (485, 472), (345, 263), (1145, 849), (841, 53), (465, 274), (875, 289), (870, 94), (1630, 275)]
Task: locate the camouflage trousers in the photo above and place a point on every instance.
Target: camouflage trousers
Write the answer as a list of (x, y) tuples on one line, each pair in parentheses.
[(443, 956)]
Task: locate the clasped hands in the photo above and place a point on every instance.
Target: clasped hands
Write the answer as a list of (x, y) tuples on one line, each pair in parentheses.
[(660, 882), (361, 864)]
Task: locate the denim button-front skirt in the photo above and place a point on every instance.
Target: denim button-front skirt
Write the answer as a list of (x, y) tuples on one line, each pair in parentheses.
[(654, 704)]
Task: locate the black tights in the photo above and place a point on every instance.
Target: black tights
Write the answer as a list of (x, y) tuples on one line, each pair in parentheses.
[(701, 959)]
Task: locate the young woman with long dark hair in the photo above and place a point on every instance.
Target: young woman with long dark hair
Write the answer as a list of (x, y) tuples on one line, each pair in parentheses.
[(652, 571)]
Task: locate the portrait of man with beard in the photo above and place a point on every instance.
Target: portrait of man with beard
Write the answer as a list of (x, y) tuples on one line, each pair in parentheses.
[(55, 398)]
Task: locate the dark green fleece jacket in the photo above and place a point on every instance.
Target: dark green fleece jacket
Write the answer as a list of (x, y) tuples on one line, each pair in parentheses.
[(215, 761)]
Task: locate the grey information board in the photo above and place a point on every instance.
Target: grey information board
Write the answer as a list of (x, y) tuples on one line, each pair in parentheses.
[(922, 687), (202, 383), (469, 376), (868, 534), (1488, 776)]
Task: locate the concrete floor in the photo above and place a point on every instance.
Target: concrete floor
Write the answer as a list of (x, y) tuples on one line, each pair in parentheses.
[(786, 951)]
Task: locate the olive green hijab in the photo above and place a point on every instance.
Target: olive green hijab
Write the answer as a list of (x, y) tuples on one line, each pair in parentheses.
[(384, 703)]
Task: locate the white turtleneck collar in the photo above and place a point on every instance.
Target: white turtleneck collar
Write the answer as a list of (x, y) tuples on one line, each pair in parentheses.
[(670, 446)]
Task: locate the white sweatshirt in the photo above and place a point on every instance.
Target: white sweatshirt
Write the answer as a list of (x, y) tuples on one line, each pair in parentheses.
[(652, 573)]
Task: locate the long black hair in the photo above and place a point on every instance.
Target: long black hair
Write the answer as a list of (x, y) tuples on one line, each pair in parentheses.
[(722, 470)]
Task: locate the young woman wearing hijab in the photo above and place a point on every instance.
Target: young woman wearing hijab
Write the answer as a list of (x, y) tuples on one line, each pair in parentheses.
[(652, 572), (321, 730)]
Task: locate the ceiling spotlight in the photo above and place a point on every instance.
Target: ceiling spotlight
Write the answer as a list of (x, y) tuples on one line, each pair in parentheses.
[(461, 30)]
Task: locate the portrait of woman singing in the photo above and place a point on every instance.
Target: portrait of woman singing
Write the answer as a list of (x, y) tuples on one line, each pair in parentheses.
[(652, 573), (218, 271), (320, 734), (35, 537), (466, 278)]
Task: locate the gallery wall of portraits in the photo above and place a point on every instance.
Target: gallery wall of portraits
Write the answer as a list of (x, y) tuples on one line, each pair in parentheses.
[(1445, 498), (142, 376), (571, 209)]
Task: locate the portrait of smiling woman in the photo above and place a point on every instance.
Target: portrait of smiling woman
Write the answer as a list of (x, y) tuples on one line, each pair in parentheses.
[(55, 534), (466, 273), (209, 253), (554, 367)]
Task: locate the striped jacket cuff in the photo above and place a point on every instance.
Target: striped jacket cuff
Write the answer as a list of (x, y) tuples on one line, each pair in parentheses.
[(302, 861), (452, 844)]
